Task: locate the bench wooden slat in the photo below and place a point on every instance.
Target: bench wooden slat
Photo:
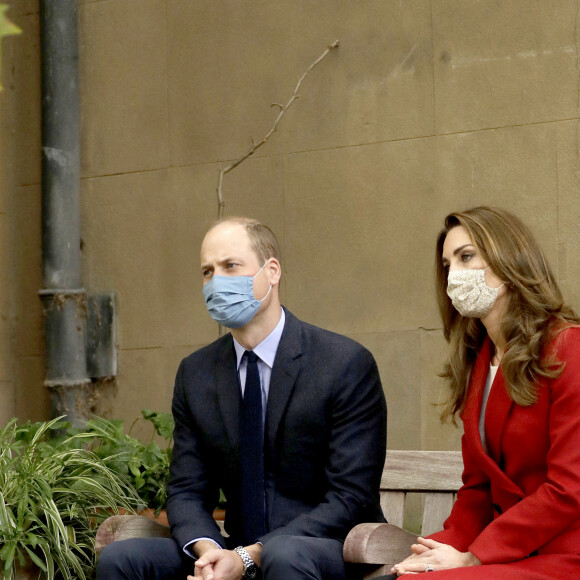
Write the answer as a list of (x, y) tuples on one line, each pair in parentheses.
[(422, 471), (393, 504), (437, 509)]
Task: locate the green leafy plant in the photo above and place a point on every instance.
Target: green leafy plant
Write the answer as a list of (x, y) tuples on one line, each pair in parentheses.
[(53, 496), (146, 465)]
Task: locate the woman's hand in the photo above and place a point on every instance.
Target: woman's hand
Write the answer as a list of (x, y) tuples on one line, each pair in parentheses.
[(429, 555)]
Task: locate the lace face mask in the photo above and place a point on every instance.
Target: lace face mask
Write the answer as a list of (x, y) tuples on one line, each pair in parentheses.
[(469, 292)]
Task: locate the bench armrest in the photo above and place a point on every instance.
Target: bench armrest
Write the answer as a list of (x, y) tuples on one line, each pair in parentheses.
[(123, 527), (377, 544)]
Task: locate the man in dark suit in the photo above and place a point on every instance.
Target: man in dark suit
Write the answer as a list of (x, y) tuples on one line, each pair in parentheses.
[(287, 419)]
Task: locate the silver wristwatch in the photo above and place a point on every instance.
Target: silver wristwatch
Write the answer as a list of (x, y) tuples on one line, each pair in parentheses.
[(250, 568)]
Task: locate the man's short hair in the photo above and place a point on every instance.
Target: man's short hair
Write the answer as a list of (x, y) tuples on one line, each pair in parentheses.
[(262, 238)]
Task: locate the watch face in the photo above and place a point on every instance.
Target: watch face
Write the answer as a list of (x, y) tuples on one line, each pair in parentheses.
[(251, 572)]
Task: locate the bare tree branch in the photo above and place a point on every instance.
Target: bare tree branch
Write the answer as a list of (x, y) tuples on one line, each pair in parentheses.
[(256, 145)]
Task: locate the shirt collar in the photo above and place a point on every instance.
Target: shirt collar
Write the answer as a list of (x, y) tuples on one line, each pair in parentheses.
[(266, 350)]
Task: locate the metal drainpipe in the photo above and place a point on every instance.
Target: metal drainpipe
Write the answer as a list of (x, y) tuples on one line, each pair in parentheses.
[(63, 297)]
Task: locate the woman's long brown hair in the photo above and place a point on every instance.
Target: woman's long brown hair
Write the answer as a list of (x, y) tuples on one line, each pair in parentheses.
[(534, 313)]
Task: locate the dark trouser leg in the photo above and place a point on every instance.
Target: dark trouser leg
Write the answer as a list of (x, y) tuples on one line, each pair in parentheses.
[(144, 559), (302, 558)]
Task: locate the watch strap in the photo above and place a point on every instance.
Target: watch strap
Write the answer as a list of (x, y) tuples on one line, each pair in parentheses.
[(245, 556)]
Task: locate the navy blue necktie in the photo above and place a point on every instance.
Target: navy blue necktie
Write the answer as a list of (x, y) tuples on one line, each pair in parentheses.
[(252, 454)]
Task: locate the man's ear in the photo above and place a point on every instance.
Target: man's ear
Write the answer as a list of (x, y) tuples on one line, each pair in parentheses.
[(274, 271)]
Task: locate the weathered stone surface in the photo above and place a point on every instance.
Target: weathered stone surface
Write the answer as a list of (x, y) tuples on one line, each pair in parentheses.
[(26, 100), (568, 206), (244, 57), (31, 398), (361, 223), (123, 87), (434, 434), (7, 408), (6, 312), (26, 266), (425, 108), (500, 64), (398, 356)]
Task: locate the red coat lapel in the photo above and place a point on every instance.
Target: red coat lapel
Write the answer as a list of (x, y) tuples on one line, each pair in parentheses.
[(475, 396), (499, 406), (498, 409)]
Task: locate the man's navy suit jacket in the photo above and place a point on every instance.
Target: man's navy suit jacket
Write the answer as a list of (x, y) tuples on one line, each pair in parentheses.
[(325, 438)]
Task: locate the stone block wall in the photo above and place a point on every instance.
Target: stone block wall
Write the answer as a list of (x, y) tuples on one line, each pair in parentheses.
[(427, 106)]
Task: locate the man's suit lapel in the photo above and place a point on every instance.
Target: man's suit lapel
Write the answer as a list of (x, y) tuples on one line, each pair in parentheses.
[(287, 366), (228, 391)]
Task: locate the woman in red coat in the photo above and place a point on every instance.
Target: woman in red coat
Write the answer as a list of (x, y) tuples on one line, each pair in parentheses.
[(514, 377)]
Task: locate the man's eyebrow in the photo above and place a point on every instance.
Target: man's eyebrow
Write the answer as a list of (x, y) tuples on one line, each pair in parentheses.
[(225, 260)]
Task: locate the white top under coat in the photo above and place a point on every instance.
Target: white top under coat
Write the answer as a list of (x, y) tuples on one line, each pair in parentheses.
[(488, 383)]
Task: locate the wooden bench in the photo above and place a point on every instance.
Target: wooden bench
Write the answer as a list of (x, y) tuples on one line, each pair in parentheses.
[(436, 474)]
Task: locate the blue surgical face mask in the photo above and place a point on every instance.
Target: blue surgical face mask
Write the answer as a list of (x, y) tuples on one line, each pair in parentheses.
[(230, 299)]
